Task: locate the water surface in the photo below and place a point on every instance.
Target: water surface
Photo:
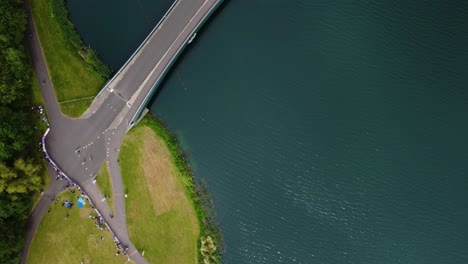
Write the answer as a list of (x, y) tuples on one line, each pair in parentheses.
[(327, 131)]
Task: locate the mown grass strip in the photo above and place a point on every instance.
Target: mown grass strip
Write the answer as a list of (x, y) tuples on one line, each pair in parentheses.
[(104, 183), (160, 218)]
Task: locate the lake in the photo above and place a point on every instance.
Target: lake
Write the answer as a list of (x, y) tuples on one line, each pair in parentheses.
[(327, 131)]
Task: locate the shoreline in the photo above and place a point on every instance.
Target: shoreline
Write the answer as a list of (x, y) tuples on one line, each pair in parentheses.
[(197, 192), (76, 71)]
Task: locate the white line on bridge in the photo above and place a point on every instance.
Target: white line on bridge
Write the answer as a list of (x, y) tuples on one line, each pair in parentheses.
[(165, 54)]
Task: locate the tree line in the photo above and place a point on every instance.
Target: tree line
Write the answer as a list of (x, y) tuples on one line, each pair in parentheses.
[(18, 170)]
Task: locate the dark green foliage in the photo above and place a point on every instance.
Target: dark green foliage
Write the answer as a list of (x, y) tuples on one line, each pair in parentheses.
[(210, 223), (67, 31), (14, 74), (18, 172), (15, 132), (95, 64), (12, 217), (21, 179)]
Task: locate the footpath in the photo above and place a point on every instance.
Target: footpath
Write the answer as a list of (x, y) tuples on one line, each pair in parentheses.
[(117, 224)]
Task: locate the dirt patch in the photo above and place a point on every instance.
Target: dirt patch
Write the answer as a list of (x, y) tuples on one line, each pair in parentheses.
[(84, 212), (160, 173)]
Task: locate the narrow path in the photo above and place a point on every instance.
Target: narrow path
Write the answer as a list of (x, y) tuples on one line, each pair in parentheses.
[(80, 146), (55, 187), (117, 183), (56, 118), (40, 67)]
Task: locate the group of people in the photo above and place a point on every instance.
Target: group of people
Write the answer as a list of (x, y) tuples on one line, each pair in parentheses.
[(120, 248), (67, 204), (41, 113), (99, 220)]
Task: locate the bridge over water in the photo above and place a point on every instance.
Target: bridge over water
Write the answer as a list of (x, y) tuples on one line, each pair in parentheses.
[(138, 79), (79, 146), (119, 104)]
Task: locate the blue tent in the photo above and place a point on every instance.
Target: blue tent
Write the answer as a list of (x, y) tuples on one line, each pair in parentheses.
[(81, 202)]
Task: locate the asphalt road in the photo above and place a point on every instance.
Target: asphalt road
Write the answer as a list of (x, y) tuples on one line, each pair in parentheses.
[(79, 146)]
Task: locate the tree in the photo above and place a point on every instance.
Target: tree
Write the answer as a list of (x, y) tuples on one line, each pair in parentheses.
[(20, 180), (15, 133), (18, 174), (12, 216)]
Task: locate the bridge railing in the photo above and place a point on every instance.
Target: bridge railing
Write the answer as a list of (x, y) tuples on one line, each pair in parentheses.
[(139, 48), (169, 65)]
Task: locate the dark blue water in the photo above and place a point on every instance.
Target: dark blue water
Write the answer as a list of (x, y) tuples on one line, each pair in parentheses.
[(327, 131), (116, 28)]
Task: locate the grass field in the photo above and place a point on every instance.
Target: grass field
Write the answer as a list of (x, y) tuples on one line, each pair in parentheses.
[(75, 108), (70, 73), (72, 240), (104, 183), (161, 219), (37, 96)]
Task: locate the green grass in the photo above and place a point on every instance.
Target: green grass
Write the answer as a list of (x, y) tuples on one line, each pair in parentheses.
[(71, 74), (75, 108), (104, 183), (161, 219), (38, 131), (36, 90), (74, 240), (200, 198)]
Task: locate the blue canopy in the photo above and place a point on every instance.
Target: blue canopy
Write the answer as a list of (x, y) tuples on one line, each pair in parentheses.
[(81, 202)]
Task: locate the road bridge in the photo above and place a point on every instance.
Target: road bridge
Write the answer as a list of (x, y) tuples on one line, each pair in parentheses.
[(79, 146)]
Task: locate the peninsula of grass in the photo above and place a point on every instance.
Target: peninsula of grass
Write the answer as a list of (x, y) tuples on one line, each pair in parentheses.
[(74, 68), (104, 183), (70, 236), (165, 214), (161, 220)]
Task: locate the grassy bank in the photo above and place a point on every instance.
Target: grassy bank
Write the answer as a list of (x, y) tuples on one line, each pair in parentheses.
[(72, 239), (104, 183), (75, 69), (161, 220), (211, 241), (150, 157)]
